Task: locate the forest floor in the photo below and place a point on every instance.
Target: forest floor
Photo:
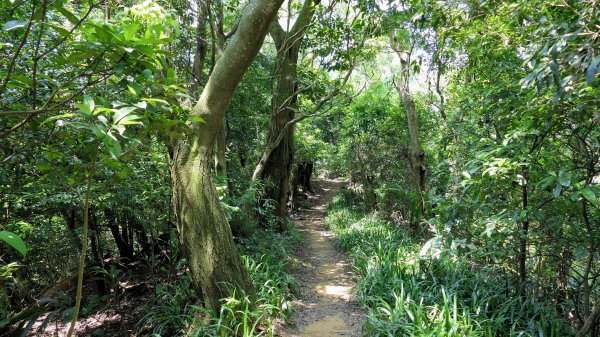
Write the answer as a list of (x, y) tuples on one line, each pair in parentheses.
[(326, 307)]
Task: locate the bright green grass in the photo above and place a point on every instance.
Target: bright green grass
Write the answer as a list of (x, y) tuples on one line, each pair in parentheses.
[(405, 294)]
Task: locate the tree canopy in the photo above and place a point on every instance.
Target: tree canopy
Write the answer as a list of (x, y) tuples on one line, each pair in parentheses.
[(156, 153)]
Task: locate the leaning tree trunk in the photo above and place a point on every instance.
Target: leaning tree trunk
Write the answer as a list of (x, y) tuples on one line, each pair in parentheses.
[(204, 231)]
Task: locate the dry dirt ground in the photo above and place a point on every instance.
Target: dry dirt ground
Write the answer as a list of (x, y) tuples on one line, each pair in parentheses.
[(326, 306)]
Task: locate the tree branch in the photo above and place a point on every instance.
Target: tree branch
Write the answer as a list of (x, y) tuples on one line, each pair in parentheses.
[(18, 51)]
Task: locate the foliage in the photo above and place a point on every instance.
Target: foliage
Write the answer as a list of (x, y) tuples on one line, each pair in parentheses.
[(172, 312), (504, 240), (14, 241), (406, 293)]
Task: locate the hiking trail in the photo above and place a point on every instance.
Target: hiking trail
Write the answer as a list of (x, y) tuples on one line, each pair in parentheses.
[(326, 307)]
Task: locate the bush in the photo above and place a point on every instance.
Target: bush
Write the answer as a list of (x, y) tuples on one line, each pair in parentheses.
[(406, 293)]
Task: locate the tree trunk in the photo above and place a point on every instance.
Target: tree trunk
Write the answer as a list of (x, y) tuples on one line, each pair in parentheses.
[(98, 261), (278, 166), (522, 259), (125, 251), (220, 150), (294, 193), (401, 83), (300, 178), (415, 151), (200, 54), (204, 231), (305, 175), (218, 37), (277, 160)]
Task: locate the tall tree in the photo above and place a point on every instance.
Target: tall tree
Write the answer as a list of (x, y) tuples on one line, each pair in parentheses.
[(277, 159), (201, 46), (402, 86), (203, 227)]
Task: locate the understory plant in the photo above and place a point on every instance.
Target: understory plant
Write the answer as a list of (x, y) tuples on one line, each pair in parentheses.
[(407, 292), (173, 312)]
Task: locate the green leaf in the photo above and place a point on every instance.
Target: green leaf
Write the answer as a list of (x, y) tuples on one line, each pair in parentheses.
[(130, 120), (22, 79), (130, 30), (114, 147), (119, 68), (99, 131), (68, 314), (14, 241), (62, 31), (120, 129), (14, 24), (103, 33), (70, 16), (87, 105), (594, 67), (62, 116), (141, 105), (155, 100), (196, 119), (564, 179), (557, 190), (589, 195), (555, 73), (135, 89), (44, 167), (122, 112)]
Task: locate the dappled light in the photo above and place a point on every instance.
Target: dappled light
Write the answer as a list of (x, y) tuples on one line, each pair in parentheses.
[(300, 168)]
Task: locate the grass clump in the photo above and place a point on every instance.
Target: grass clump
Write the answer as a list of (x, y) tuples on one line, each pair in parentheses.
[(406, 293), (173, 312)]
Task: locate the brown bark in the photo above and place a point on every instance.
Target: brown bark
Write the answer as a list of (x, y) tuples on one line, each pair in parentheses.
[(204, 231), (590, 321), (300, 178), (125, 250), (278, 157), (97, 261), (278, 166)]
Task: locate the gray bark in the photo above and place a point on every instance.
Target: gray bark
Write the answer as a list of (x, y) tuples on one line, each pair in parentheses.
[(220, 149), (416, 151), (201, 47)]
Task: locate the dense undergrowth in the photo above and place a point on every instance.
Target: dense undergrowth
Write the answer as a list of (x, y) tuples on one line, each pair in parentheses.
[(407, 293), (172, 312)]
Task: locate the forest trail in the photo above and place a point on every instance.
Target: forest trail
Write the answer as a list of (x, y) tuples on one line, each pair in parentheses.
[(325, 307)]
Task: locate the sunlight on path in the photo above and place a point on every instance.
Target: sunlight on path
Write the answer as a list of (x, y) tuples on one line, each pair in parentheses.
[(326, 306)]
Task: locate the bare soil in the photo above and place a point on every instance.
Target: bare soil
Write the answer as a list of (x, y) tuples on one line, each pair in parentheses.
[(326, 306)]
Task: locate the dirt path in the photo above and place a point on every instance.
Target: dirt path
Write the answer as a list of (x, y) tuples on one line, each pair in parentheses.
[(326, 307)]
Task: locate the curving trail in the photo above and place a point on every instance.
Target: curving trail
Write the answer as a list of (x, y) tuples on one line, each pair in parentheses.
[(325, 307)]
